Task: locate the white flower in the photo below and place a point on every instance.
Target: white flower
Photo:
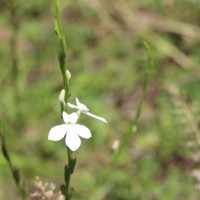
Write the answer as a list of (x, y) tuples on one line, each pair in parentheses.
[(72, 131), (83, 109)]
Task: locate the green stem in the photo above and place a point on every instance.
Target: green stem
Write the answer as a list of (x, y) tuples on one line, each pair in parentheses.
[(69, 168), (133, 127), (70, 160), (62, 49), (14, 170)]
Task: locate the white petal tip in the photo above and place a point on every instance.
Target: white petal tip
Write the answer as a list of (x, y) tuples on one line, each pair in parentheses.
[(77, 100), (83, 131), (57, 132), (73, 149), (49, 138), (96, 117), (72, 140), (102, 119)]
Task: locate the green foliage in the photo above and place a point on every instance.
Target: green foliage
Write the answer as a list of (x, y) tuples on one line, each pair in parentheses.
[(106, 59)]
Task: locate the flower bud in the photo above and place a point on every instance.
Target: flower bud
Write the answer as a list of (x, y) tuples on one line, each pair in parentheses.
[(115, 145), (68, 74), (62, 96)]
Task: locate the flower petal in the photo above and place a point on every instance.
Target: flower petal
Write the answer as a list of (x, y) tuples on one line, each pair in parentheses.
[(82, 131), (57, 132), (70, 119), (95, 116), (72, 140), (72, 106), (81, 106)]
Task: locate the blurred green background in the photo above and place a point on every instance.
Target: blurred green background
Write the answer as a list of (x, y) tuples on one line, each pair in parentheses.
[(107, 59)]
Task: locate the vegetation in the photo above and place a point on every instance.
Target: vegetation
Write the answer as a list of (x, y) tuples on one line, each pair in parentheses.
[(108, 63)]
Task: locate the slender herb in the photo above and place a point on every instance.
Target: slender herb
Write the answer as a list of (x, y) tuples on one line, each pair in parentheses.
[(62, 52), (134, 124), (132, 130)]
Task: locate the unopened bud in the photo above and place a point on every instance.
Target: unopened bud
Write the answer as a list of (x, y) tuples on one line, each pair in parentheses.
[(62, 96), (115, 145), (134, 128), (68, 74)]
